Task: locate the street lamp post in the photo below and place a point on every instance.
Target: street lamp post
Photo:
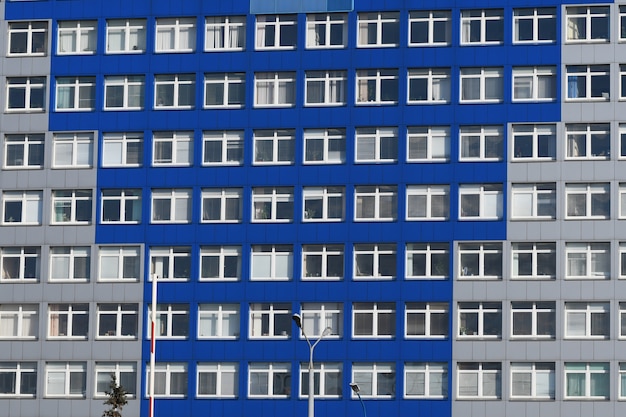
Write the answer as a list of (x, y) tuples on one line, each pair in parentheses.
[(356, 390), (298, 320)]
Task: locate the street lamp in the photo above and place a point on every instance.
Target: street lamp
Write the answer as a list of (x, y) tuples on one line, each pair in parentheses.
[(356, 390), (298, 320)]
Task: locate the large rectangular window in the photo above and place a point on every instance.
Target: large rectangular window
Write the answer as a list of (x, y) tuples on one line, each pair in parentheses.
[(121, 206), (376, 86), (532, 380), (222, 148), (171, 263), (426, 320), (588, 260), (378, 29), (274, 89), (533, 201), (425, 380), (317, 317), (220, 263), (218, 321), (271, 263), (482, 85), (324, 146), (217, 380), (325, 88), (20, 264), (273, 147), (172, 321), (269, 380), (482, 27), (375, 203), (326, 380), (73, 150), (376, 144), (270, 320), (22, 207), (323, 204), (322, 262), (75, 93), (588, 200), (588, 23), (479, 380), (19, 321), (225, 33), (222, 205), (124, 92), (430, 28), (482, 320), (428, 144), (427, 202), (122, 149), (429, 85), (326, 30), (77, 37), (119, 263), (175, 35), (28, 38), (587, 320), (170, 380), (588, 82), (480, 260), (537, 25), (533, 260), (70, 263), (174, 91), (125, 374), (18, 379), (272, 204), (68, 321), (276, 32), (481, 143), (117, 321), (480, 201), (126, 36), (534, 142), (224, 90), (591, 380), (26, 94), (374, 261), (534, 83), (66, 379), (374, 320), (375, 380), (533, 320), (23, 151), (427, 261), (72, 206), (171, 206)]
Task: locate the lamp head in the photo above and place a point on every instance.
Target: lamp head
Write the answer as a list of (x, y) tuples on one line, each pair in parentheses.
[(354, 387), (327, 331), (297, 319)]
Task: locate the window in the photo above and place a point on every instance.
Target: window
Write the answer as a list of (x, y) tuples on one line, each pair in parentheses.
[(323, 204), (326, 30), (479, 380), (218, 321), (427, 202), (171, 206), (272, 204), (533, 320), (534, 25), (220, 263), (175, 91), (482, 85), (589, 380), (28, 38), (426, 320), (73, 150), (429, 85), (171, 263), (377, 86), (26, 93), (222, 205), (480, 320), (172, 321), (376, 203), (622, 328), (622, 260), (122, 149), (269, 380), (75, 93), (68, 321), (482, 27), (326, 380), (425, 380), (533, 201), (622, 380), (480, 201), (222, 148), (585, 320), (378, 29), (430, 28), (373, 320), (20, 264), (24, 150), (376, 144), (71, 263), (170, 380), (124, 92), (18, 379), (77, 37), (317, 317), (273, 147), (588, 141), (22, 207), (225, 33), (481, 143), (218, 380), (534, 142), (480, 260), (534, 83), (118, 321), (324, 146), (274, 89), (17, 322), (276, 32), (428, 144), (588, 82), (175, 35), (588, 200), (427, 261), (325, 88), (66, 379), (588, 260), (119, 263), (71, 206), (125, 375), (588, 23), (532, 380), (375, 380), (270, 320), (374, 261), (224, 90), (533, 260), (272, 263), (322, 262), (121, 206), (126, 36)]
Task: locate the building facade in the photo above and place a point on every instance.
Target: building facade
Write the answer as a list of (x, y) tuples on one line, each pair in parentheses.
[(439, 183)]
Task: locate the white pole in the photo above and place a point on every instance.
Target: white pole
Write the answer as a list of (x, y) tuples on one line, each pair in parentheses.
[(152, 344)]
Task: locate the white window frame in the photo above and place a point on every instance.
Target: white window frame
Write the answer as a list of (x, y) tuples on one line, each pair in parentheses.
[(30, 146), (132, 89), (30, 205), (593, 78), (224, 256), (322, 262), (223, 376), (324, 146), (490, 24), (594, 255), (218, 321), (535, 16), (321, 30), (621, 324), (23, 379), (596, 200), (488, 317), (275, 89), (621, 390), (385, 27), (271, 376), (437, 83), (327, 380), (488, 91), (588, 16), (229, 203), (74, 263), (77, 37), (179, 205), (533, 201), (375, 380), (123, 149), (622, 260), (72, 314), (532, 84), (375, 203), (32, 90), (490, 201), (538, 378), (428, 144), (132, 34), (172, 376), (486, 375), (434, 199), (181, 32), (272, 204), (72, 207), (538, 260), (125, 374), (170, 263), (317, 317), (230, 85), (383, 259), (172, 321), (435, 256), (229, 147), (537, 317), (124, 208), (481, 143), (73, 150), (19, 322), (124, 261), (486, 257), (270, 321), (585, 314), (67, 371), (588, 370), (33, 44), (323, 204), (376, 145), (124, 315), (377, 86), (435, 22), (428, 320), (282, 33), (278, 265), (80, 93), (224, 33), (331, 88), (274, 147), (183, 91), (26, 263), (542, 138), (595, 144), (425, 380), (379, 320)]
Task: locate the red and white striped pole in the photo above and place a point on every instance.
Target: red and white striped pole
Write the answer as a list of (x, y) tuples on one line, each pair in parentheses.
[(152, 343)]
